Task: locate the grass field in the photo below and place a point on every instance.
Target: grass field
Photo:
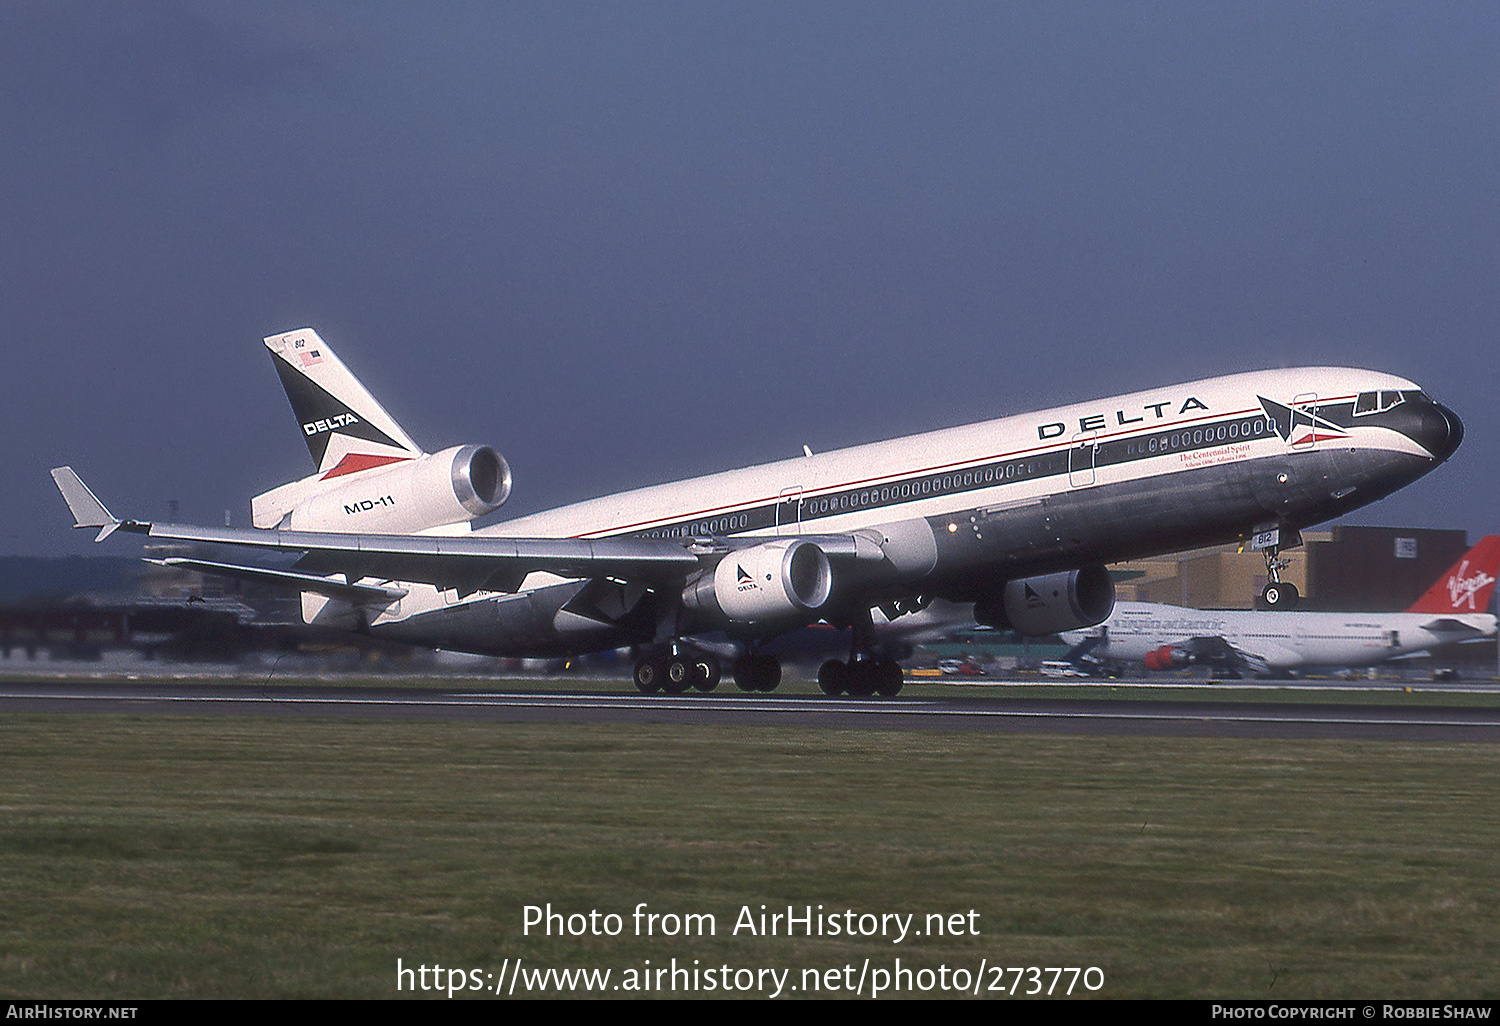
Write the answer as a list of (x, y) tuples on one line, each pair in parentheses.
[(215, 857)]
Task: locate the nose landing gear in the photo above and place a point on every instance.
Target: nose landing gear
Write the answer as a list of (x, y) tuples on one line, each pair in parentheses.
[(1278, 594)]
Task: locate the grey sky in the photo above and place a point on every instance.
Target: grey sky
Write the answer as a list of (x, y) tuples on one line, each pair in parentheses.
[(625, 243)]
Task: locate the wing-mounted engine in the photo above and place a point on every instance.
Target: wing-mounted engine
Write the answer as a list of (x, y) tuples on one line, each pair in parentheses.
[(1167, 657), (780, 580), (1206, 651), (1038, 606), (433, 490)]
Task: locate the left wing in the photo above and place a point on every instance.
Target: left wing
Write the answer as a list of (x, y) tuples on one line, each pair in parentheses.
[(466, 563)]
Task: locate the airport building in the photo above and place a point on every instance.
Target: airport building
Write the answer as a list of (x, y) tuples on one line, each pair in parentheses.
[(1348, 569)]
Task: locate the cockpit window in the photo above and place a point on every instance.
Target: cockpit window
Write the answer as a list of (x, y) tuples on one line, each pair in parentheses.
[(1376, 402)]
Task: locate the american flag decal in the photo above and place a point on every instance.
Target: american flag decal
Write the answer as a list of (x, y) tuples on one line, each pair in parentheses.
[(311, 358)]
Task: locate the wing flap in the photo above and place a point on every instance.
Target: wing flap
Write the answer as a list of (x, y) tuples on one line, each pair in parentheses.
[(358, 594)]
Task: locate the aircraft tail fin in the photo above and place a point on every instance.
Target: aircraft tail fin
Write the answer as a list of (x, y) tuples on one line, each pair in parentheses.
[(1468, 585), (346, 430)]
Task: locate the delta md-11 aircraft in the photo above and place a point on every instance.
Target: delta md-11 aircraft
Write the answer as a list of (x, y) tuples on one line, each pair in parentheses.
[(1016, 516), (1163, 637)]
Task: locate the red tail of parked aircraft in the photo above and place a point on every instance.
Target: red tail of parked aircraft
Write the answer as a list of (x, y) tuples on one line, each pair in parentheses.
[(1468, 584)]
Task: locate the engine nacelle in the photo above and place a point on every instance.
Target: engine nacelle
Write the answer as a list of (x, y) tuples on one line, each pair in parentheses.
[(435, 490), (1038, 606), (775, 581), (1168, 657)]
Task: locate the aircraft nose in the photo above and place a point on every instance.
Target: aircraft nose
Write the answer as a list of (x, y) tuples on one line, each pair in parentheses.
[(1439, 431)]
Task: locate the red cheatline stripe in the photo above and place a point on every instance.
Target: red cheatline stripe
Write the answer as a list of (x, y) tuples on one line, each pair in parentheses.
[(354, 462), (940, 468)]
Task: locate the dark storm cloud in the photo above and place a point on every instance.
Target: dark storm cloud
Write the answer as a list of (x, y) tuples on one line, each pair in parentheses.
[(624, 243)]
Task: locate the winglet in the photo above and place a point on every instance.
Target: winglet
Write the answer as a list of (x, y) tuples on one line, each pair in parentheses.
[(87, 510)]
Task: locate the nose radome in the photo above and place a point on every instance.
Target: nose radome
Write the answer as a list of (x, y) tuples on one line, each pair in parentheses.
[(1441, 432)]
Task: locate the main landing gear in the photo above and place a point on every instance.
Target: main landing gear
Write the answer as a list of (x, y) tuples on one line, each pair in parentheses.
[(865, 673), (677, 671), (684, 668), (754, 671), (1278, 594), (861, 677)]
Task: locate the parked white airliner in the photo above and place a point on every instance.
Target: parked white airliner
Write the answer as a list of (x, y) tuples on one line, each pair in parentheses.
[(1017, 516), (1163, 637)]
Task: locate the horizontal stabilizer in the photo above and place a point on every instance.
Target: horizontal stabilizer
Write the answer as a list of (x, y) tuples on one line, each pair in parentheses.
[(357, 594), (1449, 625)]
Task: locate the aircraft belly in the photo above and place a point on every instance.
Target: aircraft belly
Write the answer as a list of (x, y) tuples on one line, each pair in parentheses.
[(1102, 523), (1164, 512)]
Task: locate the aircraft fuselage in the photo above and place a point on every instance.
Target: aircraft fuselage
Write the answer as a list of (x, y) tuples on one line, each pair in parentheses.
[(956, 513)]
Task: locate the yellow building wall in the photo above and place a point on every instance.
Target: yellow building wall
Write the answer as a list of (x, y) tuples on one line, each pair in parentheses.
[(1217, 578)]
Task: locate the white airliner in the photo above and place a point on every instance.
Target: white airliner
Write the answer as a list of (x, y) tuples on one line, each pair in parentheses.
[(1164, 637), (1017, 516)]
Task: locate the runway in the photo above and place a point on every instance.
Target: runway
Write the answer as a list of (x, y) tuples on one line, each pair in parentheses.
[(991, 712)]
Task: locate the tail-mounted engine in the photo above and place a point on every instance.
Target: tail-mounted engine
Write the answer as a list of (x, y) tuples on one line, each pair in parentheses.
[(1038, 606), (776, 581), (435, 490)]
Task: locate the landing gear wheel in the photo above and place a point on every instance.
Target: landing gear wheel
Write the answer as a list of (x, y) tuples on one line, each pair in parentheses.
[(888, 678), (833, 677), (767, 671), (707, 673), (744, 677), (861, 678), (757, 672), (1279, 595), (649, 674), (679, 675)]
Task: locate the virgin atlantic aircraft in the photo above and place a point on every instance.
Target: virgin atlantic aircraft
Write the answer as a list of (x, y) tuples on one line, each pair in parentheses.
[(1162, 637)]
